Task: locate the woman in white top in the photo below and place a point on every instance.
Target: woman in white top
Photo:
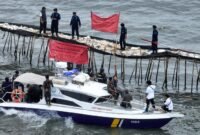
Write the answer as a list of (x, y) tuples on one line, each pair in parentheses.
[(168, 105)]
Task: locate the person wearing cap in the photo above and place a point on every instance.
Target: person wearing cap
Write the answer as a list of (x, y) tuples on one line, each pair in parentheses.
[(154, 43), (55, 17), (150, 95), (168, 104), (123, 36), (75, 23), (43, 20)]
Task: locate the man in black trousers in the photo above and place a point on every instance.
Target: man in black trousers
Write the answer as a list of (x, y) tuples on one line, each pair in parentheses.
[(75, 24), (123, 36), (43, 20), (55, 17), (154, 42)]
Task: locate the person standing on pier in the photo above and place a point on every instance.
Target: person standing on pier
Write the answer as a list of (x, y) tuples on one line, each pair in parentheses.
[(154, 42), (55, 17), (43, 20), (123, 36), (75, 24)]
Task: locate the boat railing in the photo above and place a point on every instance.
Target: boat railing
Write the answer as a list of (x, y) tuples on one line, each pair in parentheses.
[(135, 104), (3, 97)]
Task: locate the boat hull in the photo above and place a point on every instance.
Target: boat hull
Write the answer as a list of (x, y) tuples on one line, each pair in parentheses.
[(99, 121)]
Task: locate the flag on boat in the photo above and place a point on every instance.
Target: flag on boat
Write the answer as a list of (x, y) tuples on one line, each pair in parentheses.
[(68, 52), (105, 24)]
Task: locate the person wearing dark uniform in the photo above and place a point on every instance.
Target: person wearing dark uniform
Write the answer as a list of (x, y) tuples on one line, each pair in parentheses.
[(126, 100), (47, 89), (55, 17), (101, 76), (15, 75), (43, 20), (123, 36), (154, 42), (7, 87), (75, 24)]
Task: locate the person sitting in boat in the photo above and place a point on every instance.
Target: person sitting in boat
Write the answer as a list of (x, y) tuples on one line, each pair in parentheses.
[(101, 76), (150, 95), (126, 100), (47, 89), (7, 87), (115, 81), (70, 66), (34, 93), (79, 67), (17, 84), (91, 74), (15, 75), (168, 104)]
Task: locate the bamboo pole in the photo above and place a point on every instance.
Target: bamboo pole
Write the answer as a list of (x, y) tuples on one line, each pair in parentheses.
[(41, 48), (5, 42), (185, 75), (132, 72), (157, 70), (192, 77)]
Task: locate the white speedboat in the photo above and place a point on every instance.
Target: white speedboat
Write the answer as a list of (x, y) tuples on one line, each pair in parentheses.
[(88, 102)]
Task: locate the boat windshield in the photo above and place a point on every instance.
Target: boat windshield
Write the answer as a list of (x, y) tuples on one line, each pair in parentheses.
[(103, 99), (78, 96)]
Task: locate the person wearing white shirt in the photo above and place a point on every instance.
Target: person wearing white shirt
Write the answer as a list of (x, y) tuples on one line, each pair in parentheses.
[(150, 95), (168, 105)]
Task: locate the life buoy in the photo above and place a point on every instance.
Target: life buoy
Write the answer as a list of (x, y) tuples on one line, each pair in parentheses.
[(17, 95)]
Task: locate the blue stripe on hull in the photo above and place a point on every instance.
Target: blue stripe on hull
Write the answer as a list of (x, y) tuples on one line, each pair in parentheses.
[(100, 121)]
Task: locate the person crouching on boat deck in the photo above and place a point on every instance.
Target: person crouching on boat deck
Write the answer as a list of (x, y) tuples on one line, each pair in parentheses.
[(55, 17), (168, 105), (43, 20), (150, 95), (101, 76), (75, 24), (126, 100), (7, 88), (47, 89), (123, 36), (154, 42)]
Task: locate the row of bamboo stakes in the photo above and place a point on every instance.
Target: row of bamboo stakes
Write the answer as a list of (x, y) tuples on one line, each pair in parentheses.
[(142, 70)]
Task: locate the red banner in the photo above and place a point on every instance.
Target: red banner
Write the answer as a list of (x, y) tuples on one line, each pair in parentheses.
[(109, 24), (68, 52)]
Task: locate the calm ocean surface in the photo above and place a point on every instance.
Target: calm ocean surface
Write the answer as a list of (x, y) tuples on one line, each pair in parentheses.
[(178, 25)]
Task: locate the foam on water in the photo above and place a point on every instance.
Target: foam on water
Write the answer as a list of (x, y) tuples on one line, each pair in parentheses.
[(69, 123), (30, 118)]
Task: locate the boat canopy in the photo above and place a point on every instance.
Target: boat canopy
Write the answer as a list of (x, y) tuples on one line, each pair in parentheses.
[(30, 78), (91, 88)]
